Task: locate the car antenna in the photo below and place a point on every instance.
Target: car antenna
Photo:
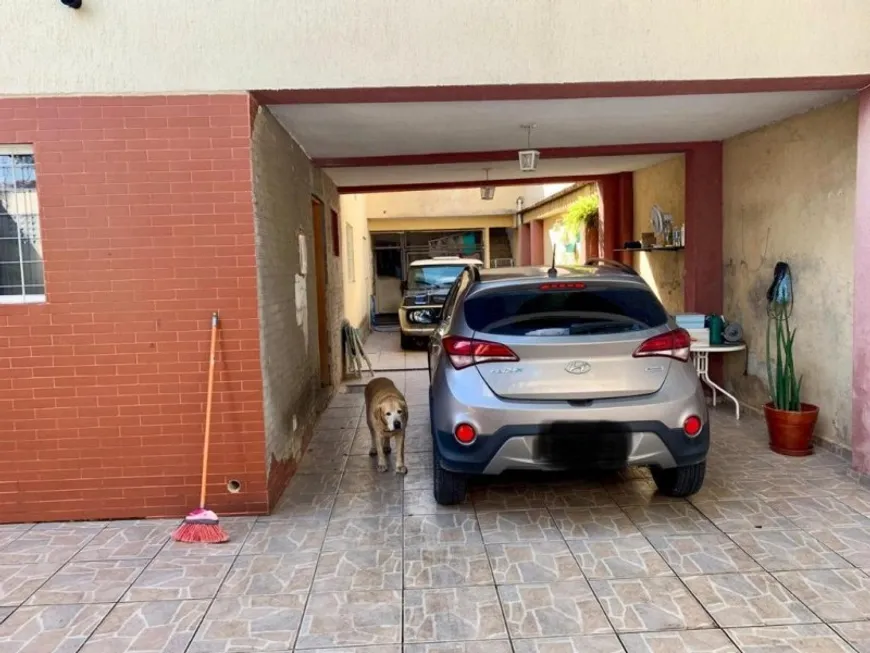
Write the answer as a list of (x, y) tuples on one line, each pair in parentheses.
[(552, 272)]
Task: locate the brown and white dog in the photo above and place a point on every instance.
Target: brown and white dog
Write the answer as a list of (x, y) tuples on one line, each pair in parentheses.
[(387, 417)]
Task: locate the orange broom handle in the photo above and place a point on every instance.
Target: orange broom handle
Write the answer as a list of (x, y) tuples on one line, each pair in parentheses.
[(205, 447)]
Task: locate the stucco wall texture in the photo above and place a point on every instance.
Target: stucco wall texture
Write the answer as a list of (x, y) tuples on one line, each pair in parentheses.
[(358, 282), (789, 195), (284, 182), (109, 46), (664, 185)]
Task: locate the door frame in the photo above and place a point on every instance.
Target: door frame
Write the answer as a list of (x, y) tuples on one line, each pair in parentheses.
[(321, 280)]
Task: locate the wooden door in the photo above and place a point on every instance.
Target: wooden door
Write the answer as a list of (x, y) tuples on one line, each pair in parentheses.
[(320, 278)]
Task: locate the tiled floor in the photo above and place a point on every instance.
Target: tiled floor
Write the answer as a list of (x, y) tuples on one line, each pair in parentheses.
[(385, 354), (772, 556)]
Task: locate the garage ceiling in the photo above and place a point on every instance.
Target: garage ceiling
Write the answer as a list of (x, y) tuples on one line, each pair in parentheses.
[(346, 134)]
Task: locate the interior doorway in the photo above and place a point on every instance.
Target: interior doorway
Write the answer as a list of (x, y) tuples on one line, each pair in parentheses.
[(321, 281)]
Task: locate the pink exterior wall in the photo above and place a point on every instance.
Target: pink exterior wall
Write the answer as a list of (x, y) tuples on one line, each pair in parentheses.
[(861, 297), (537, 242), (525, 244)]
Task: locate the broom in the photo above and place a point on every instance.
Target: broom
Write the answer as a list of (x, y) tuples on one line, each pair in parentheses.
[(202, 525)]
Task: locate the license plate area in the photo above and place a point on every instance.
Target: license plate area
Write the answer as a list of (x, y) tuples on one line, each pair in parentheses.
[(584, 445)]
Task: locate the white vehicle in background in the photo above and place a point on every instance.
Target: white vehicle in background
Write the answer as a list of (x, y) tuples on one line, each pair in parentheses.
[(423, 295)]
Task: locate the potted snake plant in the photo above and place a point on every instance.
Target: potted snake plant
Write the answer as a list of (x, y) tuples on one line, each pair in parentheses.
[(790, 421)]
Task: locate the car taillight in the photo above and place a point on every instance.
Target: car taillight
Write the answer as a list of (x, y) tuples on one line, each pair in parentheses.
[(465, 352), (674, 344), (465, 433), (562, 285), (692, 426)]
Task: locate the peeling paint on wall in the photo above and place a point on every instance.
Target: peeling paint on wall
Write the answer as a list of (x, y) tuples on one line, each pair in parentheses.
[(302, 306)]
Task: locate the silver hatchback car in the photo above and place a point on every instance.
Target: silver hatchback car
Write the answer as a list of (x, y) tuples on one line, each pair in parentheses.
[(536, 369)]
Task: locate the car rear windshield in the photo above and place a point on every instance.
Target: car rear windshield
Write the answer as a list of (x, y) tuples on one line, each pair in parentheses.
[(533, 312)]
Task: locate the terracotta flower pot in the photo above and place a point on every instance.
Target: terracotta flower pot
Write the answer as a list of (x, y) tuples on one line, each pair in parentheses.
[(791, 432)]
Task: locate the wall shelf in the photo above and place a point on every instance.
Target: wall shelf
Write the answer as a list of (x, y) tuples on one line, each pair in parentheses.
[(672, 248)]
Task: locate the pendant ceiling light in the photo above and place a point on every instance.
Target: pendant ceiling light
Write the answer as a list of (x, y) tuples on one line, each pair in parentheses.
[(529, 158), (487, 192)]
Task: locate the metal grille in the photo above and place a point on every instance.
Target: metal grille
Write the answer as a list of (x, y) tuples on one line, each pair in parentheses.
[(21, 268)]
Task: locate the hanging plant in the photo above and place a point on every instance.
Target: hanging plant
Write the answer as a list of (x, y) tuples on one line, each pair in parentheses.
[(581, 215)]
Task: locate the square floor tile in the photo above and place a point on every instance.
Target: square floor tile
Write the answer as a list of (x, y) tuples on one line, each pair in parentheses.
[(10, 532), (364, 532), (140, 539), (315, 507), (351, 619), (170, 578), (742, 515), (250, 623), (4, 613), (161, 626), (811, 513), (506, 497), (833, 594), (421, 502), (372, 481), (686, 641), (711, 553), (50, 628), (532, 562), (857, 633), (302, 485), (453, 528), (39, 546), (852, 544), (577, 644), (789, 550), (18, 582), (592, 523), (621, 557), (270, 573), (736, 600), (453, 614), (89, 582), (517, 526), (637, 493), (285, 536), (648, 604), (447, 566), (552, 609), (359, 569), (811, 638), (368, 504), (479, 646), (669, 519)]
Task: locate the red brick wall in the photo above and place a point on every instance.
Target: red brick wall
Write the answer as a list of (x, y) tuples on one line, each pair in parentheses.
[(146, 217)]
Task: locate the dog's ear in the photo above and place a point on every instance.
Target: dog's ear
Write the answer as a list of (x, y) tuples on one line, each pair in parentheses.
[(379, 411), (404, 406)]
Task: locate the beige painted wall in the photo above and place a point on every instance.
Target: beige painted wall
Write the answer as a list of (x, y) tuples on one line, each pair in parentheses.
[(357, 268), (789, 195), (126, 46), (440, 224), (663, 184), (284, 182)]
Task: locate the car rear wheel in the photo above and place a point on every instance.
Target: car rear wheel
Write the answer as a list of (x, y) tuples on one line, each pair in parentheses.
[(680, 481), (449, 488)]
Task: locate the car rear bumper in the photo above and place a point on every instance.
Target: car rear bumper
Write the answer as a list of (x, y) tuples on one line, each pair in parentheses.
[(644, 430), (519, 448)]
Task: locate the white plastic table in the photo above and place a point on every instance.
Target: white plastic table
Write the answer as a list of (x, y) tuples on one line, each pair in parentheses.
[(701, 358)]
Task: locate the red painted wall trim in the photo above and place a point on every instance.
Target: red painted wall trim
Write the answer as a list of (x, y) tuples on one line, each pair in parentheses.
[(435, 158), (609, 210), (440, 185), (626, 214), (504, 92)]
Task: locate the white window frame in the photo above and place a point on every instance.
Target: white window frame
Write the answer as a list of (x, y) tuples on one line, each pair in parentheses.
[(23, 298), (348, 246)]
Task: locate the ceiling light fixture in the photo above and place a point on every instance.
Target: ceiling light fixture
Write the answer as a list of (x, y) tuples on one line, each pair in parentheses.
[(487, 192), (529, 158)]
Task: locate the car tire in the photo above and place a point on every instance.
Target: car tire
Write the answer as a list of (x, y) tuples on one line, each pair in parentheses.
[(406, 342), (448, 488), (680, 481)]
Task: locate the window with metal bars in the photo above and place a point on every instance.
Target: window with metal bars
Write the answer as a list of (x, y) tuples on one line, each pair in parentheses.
[(22, 277)]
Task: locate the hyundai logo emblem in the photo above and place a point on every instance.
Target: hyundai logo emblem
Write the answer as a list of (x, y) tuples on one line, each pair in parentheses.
[(578, 367)]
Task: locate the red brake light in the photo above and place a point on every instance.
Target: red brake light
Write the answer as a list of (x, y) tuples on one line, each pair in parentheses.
[(465, 352), (465, 433), (563, 285), (692, 426), (674, 344)]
